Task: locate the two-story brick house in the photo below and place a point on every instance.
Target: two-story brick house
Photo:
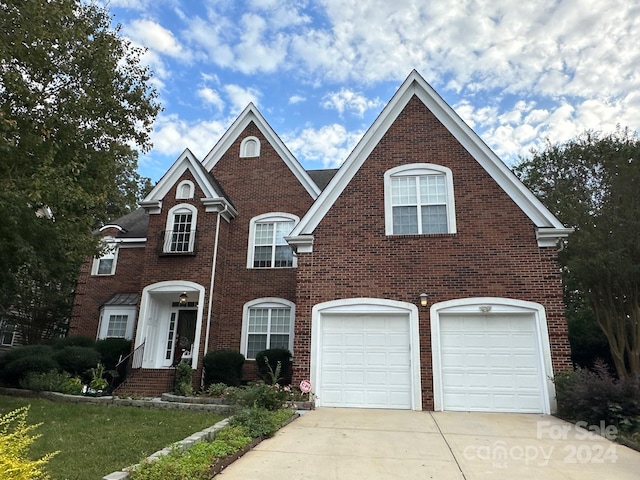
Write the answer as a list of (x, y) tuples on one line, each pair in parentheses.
[(420, 275)]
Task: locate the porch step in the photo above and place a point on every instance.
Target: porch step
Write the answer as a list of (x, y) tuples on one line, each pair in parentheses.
[(147, 382)]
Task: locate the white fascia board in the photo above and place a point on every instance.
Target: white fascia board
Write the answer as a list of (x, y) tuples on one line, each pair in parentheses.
[(300, 243), (416, 85), (248, 115), (549, 237), (186, 160)]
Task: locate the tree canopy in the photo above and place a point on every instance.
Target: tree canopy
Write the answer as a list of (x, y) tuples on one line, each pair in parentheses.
[(592, 184), (75, 105)]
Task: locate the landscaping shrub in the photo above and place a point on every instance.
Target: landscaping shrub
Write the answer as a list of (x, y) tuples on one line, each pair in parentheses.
[(74, 341), (259, 422), (15, 440), (221, 390), (77, 360), (52, 381), (184, 380), (223, 366), (13, 372), (111, 349), (194, 463), (597, 396), (22, 352), (261, 395), (267, 363)]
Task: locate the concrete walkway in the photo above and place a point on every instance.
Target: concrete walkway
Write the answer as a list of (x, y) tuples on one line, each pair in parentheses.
[(329, 443)]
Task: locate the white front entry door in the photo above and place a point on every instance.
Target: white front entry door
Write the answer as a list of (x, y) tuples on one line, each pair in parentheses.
[(491, 363), (365, 361)]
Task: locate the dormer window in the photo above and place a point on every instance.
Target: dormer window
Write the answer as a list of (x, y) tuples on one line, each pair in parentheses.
[(185, 190), (419, 200), (250, 147)]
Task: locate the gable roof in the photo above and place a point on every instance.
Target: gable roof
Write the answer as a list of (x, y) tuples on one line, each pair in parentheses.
[(322, 177), (132, 225), (214, 199), (248, 115), (549, 228)]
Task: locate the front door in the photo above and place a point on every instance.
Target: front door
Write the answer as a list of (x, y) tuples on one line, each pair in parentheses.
[(185, 335)]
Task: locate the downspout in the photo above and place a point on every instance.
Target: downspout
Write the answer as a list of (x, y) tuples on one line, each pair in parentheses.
[(213, 277)]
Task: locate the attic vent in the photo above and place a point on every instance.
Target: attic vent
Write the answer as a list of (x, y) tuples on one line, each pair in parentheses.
[(185, 190), (250, 147)]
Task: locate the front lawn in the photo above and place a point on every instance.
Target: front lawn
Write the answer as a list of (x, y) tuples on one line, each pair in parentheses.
[(97, 440)]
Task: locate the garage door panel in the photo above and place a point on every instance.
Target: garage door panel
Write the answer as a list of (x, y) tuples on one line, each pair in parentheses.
[(490, 363), (372, 355)]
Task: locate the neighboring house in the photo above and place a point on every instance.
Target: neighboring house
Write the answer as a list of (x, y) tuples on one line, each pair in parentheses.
[(420, 275)]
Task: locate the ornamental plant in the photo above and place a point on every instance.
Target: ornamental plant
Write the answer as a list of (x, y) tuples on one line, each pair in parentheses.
[(15, 440)]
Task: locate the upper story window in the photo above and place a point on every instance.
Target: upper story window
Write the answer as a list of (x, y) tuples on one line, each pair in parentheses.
[(419, 200), (185, 190), (180, 235), (267, 246), (7, 333), (250, 147), (105, 264), (267, 323)]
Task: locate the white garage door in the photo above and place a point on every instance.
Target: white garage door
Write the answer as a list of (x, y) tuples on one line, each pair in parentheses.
[(365, 361), (490, 363)]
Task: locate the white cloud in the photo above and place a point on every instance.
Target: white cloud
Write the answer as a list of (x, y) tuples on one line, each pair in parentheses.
[(211, 96), (171, 135), (241, 97), (293, 99), (156, 38), (348, 100), (330, 144)]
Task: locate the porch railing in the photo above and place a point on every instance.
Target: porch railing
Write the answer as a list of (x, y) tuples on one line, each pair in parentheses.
[(137, 355)]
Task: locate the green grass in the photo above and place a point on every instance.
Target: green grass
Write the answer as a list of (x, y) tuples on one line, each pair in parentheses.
[(96, 440)]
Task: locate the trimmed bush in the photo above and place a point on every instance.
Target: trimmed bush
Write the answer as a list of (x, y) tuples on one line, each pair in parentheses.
[(267, 370), (18, 369), (77, 360), (22, 352), (223, 366), (110, 350), (77, 341)]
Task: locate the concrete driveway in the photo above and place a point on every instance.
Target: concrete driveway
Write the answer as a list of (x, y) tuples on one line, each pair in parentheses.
[(333, 443)]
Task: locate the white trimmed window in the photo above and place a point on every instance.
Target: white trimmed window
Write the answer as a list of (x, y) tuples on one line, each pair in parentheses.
[(419, 200), (267, 246), (180, 235), (116, 322), (7, 333), (267, 323), (250, 147), (105, 264), (185, 190)]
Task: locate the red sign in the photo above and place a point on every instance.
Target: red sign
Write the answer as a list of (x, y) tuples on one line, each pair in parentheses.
[(305, 386)]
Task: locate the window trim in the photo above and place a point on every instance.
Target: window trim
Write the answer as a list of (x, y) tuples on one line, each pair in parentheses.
[(7, 328), (181, 186), (271, 217), (180, 209), (105, 314), (267, 302), (244, 153), (111, 244), (417, 170)]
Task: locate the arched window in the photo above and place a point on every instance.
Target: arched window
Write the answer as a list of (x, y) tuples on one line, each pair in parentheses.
[(267, 323), (185, 190), (180, 235), (419, 200), (250, 147), (267, 246)]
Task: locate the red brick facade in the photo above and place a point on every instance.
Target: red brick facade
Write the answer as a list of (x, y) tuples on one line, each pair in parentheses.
[(494, 252)]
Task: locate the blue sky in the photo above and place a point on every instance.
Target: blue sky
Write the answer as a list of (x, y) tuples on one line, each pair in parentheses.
[(321, 71)]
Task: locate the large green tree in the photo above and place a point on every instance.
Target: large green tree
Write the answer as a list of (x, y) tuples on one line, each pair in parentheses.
[(592, 184), (75, 106)]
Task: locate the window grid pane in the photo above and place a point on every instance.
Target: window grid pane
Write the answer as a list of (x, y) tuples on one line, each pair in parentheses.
[(255, 344), (268, 328), (264, 234), (403, 191), (181, 234), (262, 257), (105, 266), (270, 247), (117, 326), (258, 320), (434, 219), (419, 205), (405, 220)]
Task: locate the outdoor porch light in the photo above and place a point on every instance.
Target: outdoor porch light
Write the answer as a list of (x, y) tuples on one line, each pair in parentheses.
[(183, 298), (423, 299)]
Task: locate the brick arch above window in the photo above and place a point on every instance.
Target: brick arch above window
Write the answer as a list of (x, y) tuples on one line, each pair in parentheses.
[(419, 200)]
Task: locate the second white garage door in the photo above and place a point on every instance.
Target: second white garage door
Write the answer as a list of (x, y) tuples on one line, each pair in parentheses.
[(490, 363), (365, 361)]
